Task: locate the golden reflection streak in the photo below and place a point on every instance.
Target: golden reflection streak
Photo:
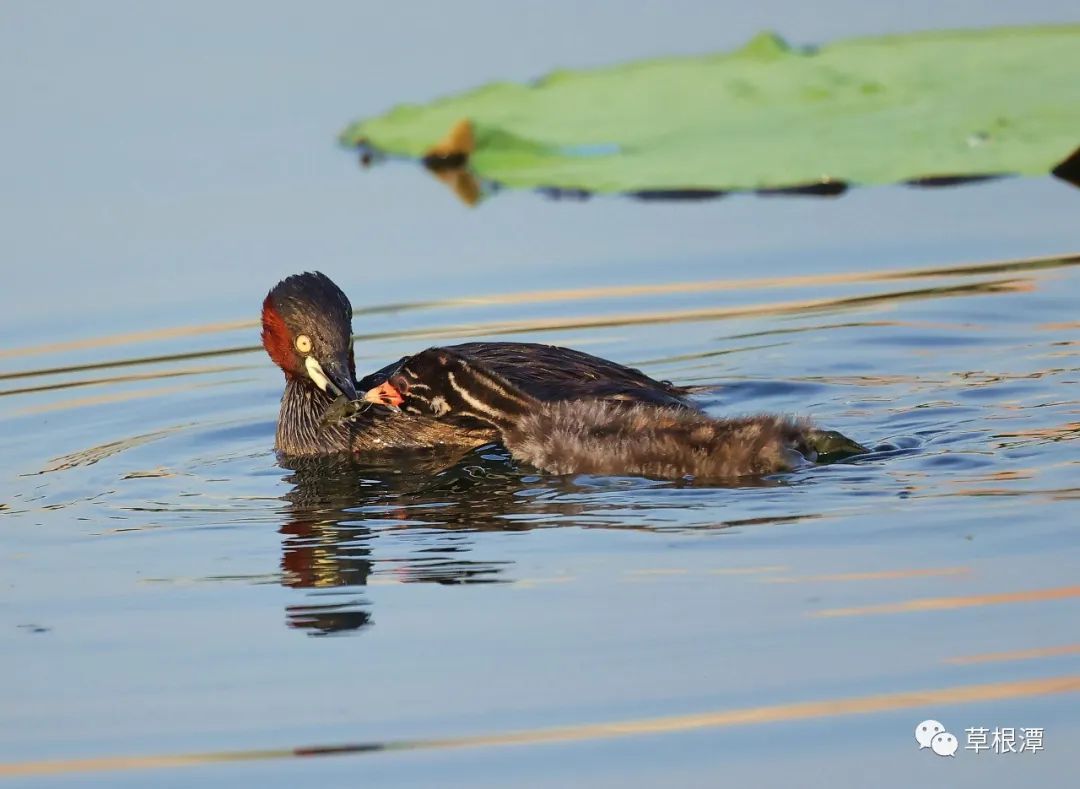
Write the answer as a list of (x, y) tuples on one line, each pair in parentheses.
[(129, 338), (175, 332), (1056, 433), (697, 355), (653, 572), (133, 362), (767, 568), (909, 324), (657, 571), (946, 603), (534, 325), (580, 294), (121, 379), (1016, 654), (113, 397), (1051, 493), (863, 705), (1064, 326), (532, 583), (879, 575), (707, 314), (761, 283)]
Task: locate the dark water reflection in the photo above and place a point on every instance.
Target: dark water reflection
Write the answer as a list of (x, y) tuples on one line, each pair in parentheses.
[(471, 189), (327, 540), (434, 505)]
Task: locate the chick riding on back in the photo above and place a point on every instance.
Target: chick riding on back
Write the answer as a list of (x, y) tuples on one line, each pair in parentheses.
[(595, 436)]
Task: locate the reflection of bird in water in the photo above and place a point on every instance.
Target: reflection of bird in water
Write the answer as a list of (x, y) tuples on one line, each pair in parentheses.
[(337, 509), (319, 553), (421, 510)]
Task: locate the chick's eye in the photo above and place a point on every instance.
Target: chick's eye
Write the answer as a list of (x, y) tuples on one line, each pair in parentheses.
[(303, 344)]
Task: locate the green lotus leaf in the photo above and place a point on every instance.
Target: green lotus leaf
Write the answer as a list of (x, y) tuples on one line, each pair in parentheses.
[(865, 111)]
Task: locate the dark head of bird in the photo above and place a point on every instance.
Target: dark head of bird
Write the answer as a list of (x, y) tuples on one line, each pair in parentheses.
[(307, 330)]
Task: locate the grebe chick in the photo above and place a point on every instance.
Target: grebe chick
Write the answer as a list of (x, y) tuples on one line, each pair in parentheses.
[(596, 436)]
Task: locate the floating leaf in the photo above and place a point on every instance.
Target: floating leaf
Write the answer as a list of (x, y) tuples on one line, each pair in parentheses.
[(866, 111)]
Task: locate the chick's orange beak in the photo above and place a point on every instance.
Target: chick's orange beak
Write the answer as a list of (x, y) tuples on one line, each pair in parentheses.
[(384, 394)]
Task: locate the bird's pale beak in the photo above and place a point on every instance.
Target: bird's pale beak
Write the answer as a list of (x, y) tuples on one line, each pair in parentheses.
[(384, 394), (334, 378)]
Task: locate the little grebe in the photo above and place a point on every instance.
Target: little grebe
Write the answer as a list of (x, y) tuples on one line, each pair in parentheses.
[(307, 330)]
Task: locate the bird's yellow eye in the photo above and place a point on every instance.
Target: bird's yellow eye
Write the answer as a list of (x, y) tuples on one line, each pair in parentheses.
[(303, 344)]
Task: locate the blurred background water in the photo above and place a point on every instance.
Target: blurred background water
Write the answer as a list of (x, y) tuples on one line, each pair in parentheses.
[(170, 590)]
